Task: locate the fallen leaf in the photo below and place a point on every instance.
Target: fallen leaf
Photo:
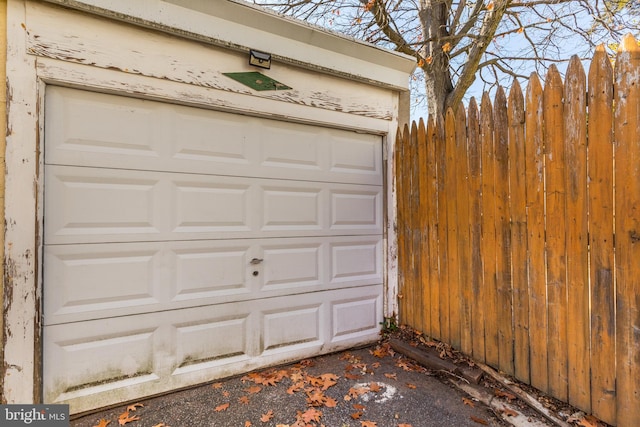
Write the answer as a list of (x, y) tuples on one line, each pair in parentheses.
[(244, 399), (356, 415), (352, 376), (254, 389), (311, 414), (358, 407), (380, 352), (508, 396), (509, 412), (368, 424), (468, 402), (126, 418), (295, 387), (405, 425), (479, 420), (588, 421), (222, 407), (411, 386), (330, 402), (102, 423), (375, 365), (315, 397), (134, 406), (247, 424), (267, 417), (374, 387), (329, 380), (226, 394), (216, 385), (161, 425), (391, 376)]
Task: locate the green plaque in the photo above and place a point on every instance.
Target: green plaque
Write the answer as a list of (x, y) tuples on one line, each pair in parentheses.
[(257, 81)]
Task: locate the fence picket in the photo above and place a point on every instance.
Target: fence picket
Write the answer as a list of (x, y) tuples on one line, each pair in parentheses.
[(403, 191), (453, 262), (534, 175), (518, 210), (556, 239), (503, 234), (575, 142), (414, 290), (443, 256), (432, 213), (627, 226), (600, 168), (462, 240), (475, 238), (423, 316), (489, 232)]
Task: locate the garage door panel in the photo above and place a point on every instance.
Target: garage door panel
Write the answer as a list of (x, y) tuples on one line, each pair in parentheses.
[(206, 207), (87, 205), (298, 327), (356, 210), (101, 279), (356, 261), (355, 318), (210, 272), (165, 137), (200, 137), (151, 353), (211, 342), (356, 156), (92, 281), (93, 363), (292, 266), (76, 133)]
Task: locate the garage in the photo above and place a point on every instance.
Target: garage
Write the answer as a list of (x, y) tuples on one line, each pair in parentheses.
[(182, 243), (189, 226)]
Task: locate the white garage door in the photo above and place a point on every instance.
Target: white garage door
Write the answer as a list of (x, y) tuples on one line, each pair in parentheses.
[(182, 244)]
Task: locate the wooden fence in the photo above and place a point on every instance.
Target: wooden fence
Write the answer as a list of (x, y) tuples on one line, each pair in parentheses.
[(519, 233)]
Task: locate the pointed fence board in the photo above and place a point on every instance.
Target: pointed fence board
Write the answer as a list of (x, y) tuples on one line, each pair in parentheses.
[(432, 214), (503, 235), (414, 290), (423, 316), (453, 261), (443, 254), (475, 231), (518, 211), (463, 238), (519, 233), (600, 167), (489, 232), (536, 252), (575, 144), (556, 238), (627, 227)]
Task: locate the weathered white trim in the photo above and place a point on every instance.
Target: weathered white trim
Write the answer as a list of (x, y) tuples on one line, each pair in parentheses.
[(20, 371), (242, 26), (111, 81)]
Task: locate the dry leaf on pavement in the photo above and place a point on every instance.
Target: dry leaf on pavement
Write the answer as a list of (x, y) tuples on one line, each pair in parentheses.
[(266, 417), (222, 407)]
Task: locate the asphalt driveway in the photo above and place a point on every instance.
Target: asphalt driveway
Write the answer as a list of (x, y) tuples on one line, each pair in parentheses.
[(366, 387)]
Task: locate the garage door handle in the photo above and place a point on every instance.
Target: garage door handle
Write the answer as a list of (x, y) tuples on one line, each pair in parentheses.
[(256, 261)]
